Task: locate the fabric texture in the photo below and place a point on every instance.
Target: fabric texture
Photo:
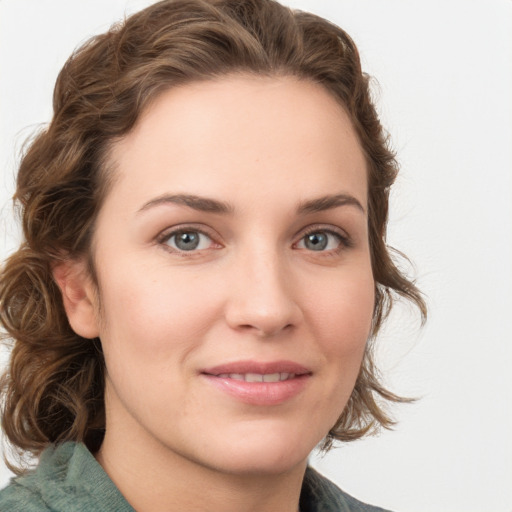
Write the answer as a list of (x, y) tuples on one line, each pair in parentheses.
[(68, 479), (320, 495)]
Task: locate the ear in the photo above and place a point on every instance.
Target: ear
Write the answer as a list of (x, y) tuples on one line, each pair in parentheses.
[(78, 296)]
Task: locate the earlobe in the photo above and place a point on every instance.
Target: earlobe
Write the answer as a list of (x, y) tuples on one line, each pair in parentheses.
[(78, 297)]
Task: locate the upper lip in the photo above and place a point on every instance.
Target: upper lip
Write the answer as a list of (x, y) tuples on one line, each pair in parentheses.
[(263, 368)]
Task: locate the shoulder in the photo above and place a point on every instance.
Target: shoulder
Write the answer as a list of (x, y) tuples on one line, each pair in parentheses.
[(321, 495), (18, 498), (30, 491), (67, 479)]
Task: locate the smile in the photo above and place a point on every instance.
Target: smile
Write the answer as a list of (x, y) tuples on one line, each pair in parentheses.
[(256, 383), (258, 377)]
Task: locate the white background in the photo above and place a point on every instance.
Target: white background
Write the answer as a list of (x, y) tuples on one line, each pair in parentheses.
[(444, 71)]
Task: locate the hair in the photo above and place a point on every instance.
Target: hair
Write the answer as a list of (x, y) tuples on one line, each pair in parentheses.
[(53, 388)]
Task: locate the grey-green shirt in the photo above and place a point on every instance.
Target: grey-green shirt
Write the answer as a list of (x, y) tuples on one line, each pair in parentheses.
[(68, 479)]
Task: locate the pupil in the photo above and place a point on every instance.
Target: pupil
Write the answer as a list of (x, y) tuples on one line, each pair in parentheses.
[(316, 241), (187, 241)]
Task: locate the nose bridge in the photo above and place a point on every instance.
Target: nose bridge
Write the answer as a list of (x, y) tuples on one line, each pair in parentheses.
[(262, 299)]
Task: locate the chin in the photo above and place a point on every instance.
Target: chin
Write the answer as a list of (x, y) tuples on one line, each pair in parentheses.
[(266, 453), (263, 464)]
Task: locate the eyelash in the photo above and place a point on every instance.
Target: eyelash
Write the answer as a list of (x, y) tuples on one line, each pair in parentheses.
[(166, 236), (345, 241)]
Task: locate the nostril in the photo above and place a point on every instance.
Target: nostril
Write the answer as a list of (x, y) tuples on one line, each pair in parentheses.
[(266, 331), (265, 306)]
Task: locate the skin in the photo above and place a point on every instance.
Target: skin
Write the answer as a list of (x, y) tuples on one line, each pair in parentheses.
[(253, 290)]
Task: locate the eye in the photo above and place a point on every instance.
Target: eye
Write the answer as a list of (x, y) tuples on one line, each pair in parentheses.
[(187, 240), (321, 240)]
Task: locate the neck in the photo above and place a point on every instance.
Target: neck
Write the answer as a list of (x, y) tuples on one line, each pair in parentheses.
[(152, 477)]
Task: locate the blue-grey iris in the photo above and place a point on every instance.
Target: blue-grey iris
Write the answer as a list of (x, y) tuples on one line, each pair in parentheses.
[(187, 241), (316, 241)]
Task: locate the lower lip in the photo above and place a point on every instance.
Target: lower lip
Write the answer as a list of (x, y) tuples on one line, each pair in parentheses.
[(260, 393)]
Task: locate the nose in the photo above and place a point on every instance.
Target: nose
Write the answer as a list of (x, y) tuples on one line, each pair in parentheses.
[(262, 299)]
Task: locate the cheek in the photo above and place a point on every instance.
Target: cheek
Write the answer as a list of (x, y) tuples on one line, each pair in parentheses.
[(155, 312), (343, 314), (341, 317), (152, 327)]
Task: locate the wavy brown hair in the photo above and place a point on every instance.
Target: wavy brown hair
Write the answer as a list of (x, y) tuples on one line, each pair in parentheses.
[(53, 387)]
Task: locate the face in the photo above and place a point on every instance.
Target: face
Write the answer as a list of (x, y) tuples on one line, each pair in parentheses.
[(234, 274)]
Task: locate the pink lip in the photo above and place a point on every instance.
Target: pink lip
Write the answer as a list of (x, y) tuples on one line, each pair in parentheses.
[(258, 367), (259, 393)]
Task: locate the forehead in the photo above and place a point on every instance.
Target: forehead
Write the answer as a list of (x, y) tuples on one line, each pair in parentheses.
[(242, 134)]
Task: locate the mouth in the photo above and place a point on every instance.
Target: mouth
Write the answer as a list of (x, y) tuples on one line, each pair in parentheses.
[(256, 383), (258, 377)]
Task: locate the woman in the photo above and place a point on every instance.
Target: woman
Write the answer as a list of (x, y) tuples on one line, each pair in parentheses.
[(204, 267)]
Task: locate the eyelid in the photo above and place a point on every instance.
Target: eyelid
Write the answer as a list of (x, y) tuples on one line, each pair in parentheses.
[(344, 237), (169, 232), (345, 240)]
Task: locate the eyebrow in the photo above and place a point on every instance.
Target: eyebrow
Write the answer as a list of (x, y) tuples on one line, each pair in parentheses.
[(328, 202), (202, 204), (209, 205)]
